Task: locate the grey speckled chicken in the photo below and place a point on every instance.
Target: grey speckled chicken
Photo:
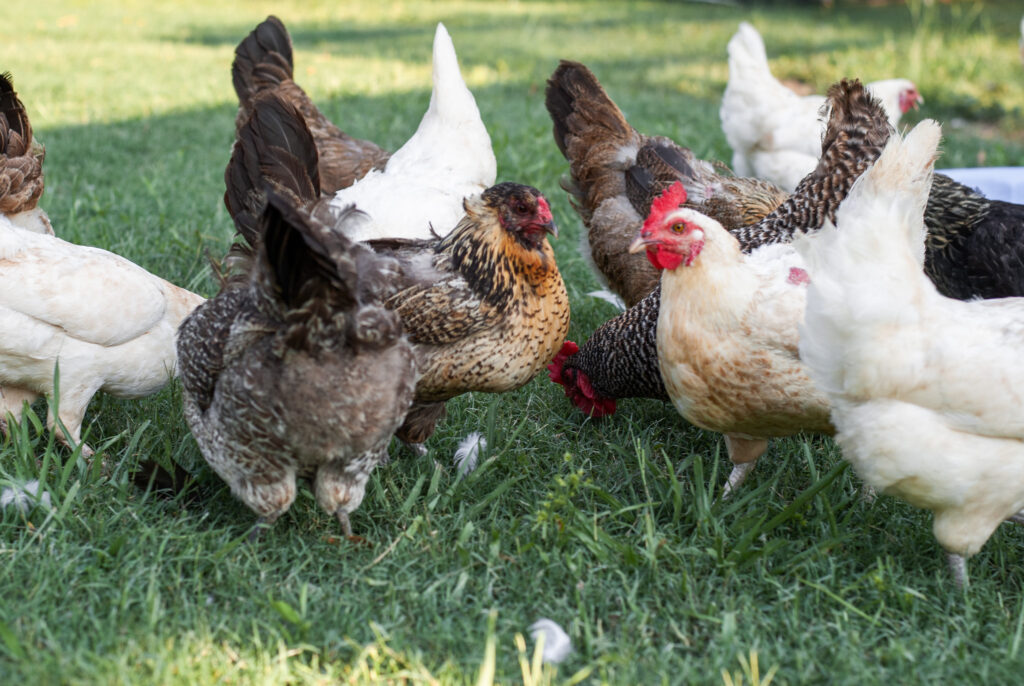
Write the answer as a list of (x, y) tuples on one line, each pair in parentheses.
[(295, 368)]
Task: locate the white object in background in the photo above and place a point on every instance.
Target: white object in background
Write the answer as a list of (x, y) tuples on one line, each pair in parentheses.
[(995, 183), (557, 645), (22, 497)]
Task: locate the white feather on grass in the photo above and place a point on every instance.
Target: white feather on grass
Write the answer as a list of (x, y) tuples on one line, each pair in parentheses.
[(23, 497), (609, 297), (468, 452), (557, 645)]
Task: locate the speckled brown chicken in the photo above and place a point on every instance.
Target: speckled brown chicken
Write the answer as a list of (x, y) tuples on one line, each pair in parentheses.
[(21, 163), (485, 306), (620, 358), (292, 373), (264, 61)]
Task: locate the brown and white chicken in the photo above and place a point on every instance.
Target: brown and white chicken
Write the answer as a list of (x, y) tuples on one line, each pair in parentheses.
[(774, 133), (95, 319), (925, 390), (727, 332)]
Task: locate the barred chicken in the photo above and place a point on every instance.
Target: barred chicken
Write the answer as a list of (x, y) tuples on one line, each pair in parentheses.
[(620, 359), (99, 321), (727, 345), (925, 390), (263, 61), (776, 134), (295, 368)]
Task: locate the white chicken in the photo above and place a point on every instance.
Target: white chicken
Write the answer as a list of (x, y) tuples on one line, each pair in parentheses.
[(95, 319), (420, 191), (925, 390), (774, 133)]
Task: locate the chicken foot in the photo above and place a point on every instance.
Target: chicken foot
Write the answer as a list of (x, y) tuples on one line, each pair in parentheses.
[(958, 568), (743, 452)]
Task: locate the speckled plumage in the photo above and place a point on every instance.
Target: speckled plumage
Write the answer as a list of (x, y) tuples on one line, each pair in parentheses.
[(263, 61), (975, 246), (485, 306), (857, 130), (293, 374)]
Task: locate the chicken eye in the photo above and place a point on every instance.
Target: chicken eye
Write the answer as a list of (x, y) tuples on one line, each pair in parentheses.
[(521, 208), (679, 228)]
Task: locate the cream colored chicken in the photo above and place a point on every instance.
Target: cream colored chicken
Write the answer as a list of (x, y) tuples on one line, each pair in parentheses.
[(926, 390), (100, 321), (727, 332)]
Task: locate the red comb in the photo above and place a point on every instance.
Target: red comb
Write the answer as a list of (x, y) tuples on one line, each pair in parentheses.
[(668, 201), (555, 368)]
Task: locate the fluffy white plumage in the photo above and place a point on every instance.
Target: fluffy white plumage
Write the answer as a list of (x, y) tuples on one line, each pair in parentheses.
[(468, 453), (774, 133), (557, 644), (421, 189), (926, 391), (108, 323), (23, 497)]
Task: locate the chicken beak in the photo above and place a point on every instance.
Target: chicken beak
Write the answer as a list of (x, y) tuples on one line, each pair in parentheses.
[(640, 244), (552, 228)]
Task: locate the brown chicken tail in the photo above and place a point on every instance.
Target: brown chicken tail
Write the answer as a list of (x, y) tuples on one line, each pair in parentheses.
[(276, 148), (263, 58)]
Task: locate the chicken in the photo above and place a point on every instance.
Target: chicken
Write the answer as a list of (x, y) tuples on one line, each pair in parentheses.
[(727, 345), (616, 171), (99, 321), (620, 360), (774, 133), (21, 164), (293, 374), (263, 61), (485, 306), (925, 389), (975, 246)]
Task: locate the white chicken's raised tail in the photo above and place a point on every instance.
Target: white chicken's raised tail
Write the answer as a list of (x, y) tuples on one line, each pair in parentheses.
[(420, 191), (925, 390)]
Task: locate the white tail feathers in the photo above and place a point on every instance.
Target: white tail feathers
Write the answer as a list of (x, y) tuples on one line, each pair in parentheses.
[(747, 55), (450, 98), (866, 275)]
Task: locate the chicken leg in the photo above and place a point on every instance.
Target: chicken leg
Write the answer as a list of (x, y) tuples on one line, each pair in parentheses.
[(958, 567), (12, 401), (743, 452)]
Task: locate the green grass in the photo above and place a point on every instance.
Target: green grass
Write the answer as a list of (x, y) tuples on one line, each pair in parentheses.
[(608, 527)]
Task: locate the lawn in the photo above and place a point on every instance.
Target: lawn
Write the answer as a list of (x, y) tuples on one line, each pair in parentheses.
[(608, 527)]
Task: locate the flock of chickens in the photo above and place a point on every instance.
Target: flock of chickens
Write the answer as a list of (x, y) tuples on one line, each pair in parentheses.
[(829, 283)]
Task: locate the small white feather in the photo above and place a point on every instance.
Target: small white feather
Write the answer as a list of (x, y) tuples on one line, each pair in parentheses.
[(23, 497), (557, 645), (609, 297), (468, 452)]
